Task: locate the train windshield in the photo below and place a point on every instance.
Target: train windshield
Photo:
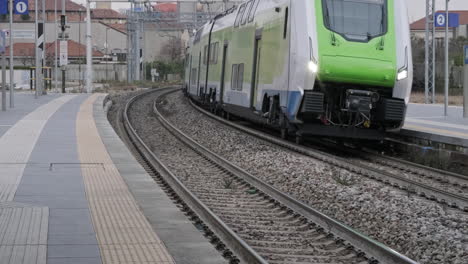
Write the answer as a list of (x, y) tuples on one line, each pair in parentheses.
[(359, 20)]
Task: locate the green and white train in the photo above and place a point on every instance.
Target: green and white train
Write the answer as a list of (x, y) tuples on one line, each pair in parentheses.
[(339, 68)]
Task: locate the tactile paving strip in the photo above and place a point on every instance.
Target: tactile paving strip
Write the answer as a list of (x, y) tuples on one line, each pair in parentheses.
[(123, 233), (23, 234)]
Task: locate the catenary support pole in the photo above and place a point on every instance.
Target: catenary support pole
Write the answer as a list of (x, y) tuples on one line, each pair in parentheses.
[(36, 51), (465, 90), (446, 58), (89, 73), (55, 47), (4, 81), (64, 68), (12, 62), (43, 62)]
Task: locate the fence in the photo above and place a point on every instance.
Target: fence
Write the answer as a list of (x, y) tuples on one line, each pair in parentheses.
[(455, 73)]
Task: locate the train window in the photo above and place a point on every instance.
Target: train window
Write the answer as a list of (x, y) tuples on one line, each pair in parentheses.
[(194, 73), (215, 61), (237, 78), (286, 18), (240, 76), (239, 15), (356, 20), (205, 55), (214, 53), (253, 10), (248, 7), (234, 77), (198, 35)]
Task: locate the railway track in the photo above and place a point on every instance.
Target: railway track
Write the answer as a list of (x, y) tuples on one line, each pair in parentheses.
[(259, 223), (437, 185)]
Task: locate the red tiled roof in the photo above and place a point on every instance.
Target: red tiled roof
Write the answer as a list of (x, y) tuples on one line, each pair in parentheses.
[(101, 13), (121, 27), (75, 49), (70, 6), (165, 7), (421, 23)]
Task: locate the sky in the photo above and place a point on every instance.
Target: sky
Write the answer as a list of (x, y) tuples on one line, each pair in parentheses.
[(417, 8)]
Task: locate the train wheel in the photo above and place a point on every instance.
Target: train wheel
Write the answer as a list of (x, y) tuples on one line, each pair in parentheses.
[(299, 140)]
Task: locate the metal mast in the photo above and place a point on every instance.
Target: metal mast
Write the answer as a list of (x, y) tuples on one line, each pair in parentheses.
[(89, 59), (430, 52)]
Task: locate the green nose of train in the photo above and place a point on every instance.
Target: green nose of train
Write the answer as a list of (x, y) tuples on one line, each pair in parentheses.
[(356, 42)]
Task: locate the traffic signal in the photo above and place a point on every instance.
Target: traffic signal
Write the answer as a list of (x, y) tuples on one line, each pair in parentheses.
[(63, 22)]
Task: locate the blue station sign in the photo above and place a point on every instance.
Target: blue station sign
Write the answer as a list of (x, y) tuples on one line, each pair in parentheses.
[(466, 54), (20, 7), (440, 20), (3, 7)]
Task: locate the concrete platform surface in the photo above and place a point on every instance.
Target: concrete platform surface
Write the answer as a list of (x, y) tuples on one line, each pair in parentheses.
[(429, 122), (71, 192)]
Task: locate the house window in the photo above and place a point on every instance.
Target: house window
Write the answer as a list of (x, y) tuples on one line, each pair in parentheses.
[(237, 78)]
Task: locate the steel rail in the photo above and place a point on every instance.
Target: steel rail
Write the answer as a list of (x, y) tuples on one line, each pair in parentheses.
[(420, 166), (453, 200), (243, 251), (360, 241)]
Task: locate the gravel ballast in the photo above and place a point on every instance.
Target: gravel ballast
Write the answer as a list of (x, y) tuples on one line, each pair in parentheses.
[(423, 230)]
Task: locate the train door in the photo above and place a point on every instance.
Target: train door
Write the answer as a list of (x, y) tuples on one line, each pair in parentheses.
[(190, 76), (255, 71), (223, 74), (198, 77)]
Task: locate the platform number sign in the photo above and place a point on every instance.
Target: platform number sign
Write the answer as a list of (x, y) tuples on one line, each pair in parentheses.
[(21, 7), (440, 20)]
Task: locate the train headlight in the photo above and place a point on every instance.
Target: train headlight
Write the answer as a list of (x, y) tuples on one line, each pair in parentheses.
[(403, 74), (313, 67)]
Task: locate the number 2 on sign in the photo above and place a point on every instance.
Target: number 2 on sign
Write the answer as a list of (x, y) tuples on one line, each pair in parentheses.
[(441, 20)]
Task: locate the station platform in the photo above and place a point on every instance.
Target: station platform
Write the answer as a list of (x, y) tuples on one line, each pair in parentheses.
[(428, 122), (71, 192)]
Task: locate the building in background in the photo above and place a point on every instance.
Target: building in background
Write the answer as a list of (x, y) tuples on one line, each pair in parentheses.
[(418, 28), (109, 16), (107, 35)]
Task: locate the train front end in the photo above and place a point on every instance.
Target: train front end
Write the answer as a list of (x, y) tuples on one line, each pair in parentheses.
[(363, 68)]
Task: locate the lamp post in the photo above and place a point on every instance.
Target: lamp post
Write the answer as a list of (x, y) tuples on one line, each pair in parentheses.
[(446, 57), (56, 47), (12, 61), (89, 73), (107, 55)]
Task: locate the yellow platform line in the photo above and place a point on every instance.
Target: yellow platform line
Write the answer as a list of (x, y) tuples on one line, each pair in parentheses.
[(123, 233), (435, 131)]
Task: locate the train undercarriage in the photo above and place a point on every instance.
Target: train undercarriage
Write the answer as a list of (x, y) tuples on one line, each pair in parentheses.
[(338, 112)]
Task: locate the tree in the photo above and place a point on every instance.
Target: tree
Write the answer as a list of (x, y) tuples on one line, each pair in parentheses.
[(173, 48)]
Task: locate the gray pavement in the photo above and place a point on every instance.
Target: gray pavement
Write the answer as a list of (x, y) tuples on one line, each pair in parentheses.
[(25, 103), (53, 179), (429, 122)]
